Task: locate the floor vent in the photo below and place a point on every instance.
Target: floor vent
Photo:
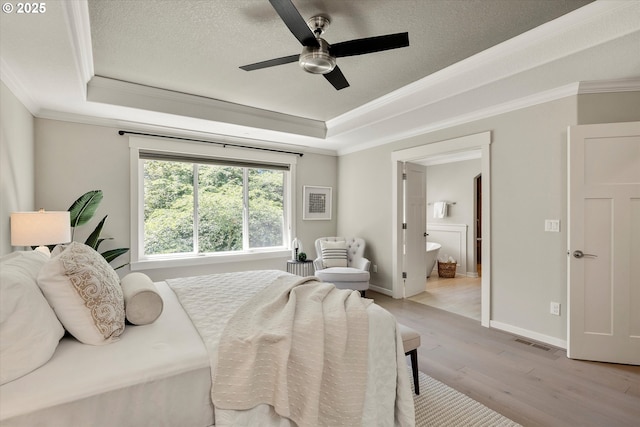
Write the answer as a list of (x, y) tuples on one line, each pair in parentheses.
[(532, 344), (541, 347)]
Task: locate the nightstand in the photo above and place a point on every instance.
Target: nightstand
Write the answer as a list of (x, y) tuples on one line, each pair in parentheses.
[(300, 268)]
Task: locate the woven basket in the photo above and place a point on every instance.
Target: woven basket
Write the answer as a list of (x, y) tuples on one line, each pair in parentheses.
[(447, 269)]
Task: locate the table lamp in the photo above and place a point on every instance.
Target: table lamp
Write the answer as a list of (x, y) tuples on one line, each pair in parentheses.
[(296, 246), (40, 228)]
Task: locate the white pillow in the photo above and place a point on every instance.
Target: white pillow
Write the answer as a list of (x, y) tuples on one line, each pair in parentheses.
[(84, 291), (142, 302), (29, 329), (334, 254)]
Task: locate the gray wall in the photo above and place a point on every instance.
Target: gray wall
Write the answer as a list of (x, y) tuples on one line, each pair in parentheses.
[(454, 182), (16, 163), (528, 185), (608, 107), (73, 158)]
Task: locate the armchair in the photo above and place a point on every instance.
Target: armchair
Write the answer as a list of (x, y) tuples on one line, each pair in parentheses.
[(343, 263)]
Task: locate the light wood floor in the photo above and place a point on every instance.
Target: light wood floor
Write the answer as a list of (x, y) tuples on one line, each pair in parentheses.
[(524, 381), (459, 295)]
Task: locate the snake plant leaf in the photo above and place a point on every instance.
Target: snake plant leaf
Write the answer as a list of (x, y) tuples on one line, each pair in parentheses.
[(94, 238), (83, 209)]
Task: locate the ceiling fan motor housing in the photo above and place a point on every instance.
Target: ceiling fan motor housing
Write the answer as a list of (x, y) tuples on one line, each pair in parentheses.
[(317, 60)]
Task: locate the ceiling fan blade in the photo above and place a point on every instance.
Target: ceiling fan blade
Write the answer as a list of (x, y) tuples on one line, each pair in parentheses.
[(336, 78), (294, 21), (271, 63), (369, 45)]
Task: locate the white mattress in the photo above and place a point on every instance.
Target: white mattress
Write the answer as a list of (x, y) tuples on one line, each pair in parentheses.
[(156, 374)]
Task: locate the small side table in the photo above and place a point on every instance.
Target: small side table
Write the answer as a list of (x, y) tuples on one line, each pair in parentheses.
[(300, 268)]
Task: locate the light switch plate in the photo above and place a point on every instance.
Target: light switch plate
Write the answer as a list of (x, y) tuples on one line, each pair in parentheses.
[(552, 225)]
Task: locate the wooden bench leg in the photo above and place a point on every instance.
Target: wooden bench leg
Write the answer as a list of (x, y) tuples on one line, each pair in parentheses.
[(414, 368)]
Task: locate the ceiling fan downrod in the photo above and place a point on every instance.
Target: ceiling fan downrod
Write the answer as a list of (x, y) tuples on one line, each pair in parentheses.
[(317, 60)]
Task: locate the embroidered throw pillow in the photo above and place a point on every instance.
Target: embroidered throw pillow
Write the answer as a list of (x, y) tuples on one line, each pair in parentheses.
[(84, 291), (334, 254)]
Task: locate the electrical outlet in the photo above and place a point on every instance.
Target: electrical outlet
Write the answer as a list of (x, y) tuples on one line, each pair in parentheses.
[(555, 308), (375, 268)]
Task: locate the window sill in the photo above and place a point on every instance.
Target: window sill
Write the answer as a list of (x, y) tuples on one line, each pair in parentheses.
[(204, 259)]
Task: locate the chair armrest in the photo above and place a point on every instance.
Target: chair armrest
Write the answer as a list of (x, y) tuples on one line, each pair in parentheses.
[(317, 264), (361, 264)]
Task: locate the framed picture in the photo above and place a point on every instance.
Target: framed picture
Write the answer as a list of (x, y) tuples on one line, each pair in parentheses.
[(317, 202)]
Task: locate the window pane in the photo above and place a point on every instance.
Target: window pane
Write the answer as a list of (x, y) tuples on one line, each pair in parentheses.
[(266, 208), (220, 206), (168, 207)]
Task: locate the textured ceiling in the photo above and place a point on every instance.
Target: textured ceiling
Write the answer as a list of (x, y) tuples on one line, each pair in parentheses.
[(172, 66), (196, 47)]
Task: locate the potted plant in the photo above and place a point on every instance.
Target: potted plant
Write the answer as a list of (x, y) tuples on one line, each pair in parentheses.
[(81, 212)]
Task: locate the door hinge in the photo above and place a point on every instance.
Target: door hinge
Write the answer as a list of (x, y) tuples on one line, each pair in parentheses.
[(404, 274), (404, 225), (404, 176)]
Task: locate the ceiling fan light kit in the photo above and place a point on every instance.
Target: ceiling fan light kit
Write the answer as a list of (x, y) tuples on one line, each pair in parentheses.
[(317, 60), (318, 56)]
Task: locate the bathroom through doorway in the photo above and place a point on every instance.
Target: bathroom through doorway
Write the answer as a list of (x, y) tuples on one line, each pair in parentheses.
[(468, 277)]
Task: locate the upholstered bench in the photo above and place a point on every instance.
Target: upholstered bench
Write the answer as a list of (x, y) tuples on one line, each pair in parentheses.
[(411, 342)]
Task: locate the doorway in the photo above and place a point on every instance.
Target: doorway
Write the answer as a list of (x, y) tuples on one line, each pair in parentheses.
[(449, 147), (451, 180)]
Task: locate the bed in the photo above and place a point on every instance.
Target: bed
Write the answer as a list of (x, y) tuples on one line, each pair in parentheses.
[(162, 373)]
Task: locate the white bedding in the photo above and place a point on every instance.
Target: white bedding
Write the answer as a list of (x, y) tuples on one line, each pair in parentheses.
[(156, 374), (159, 374), (388, 400)]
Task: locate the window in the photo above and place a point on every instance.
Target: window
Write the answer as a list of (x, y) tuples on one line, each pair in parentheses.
[(193, 204)]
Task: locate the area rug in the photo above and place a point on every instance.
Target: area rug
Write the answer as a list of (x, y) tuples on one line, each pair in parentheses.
[(440, 405)]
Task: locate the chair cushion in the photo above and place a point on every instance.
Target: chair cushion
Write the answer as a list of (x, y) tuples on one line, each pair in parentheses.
[(342, 274), (410, 338), (334, 254)]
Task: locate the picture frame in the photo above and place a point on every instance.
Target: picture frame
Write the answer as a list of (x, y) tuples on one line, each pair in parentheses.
[(316, 203)]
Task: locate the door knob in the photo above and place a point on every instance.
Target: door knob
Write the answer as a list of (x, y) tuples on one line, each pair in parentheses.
[(579, 254)]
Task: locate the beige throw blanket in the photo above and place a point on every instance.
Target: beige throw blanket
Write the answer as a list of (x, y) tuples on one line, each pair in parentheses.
[(300, 346)]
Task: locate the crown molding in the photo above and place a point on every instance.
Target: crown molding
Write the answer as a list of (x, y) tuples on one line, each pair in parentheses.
[(12, 82), (126, 94), (484, 113), (468, 74), (76, 14), (130, 125)]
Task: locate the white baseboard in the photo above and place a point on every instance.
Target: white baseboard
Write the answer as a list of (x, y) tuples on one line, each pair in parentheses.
[(556, 342), (384, 291)]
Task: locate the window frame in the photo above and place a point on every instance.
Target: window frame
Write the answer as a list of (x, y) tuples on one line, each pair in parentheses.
[(206, 152)]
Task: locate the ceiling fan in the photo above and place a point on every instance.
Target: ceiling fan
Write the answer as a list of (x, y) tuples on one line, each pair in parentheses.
[(318, 56)]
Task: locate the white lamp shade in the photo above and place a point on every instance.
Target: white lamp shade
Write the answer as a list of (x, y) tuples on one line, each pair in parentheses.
[(40, 228)]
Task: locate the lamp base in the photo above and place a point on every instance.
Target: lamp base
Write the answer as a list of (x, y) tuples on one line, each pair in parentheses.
[(44, 249)]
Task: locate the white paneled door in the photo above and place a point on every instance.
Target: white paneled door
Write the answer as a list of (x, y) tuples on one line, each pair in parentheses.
[(604, 243), (415, 233)]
